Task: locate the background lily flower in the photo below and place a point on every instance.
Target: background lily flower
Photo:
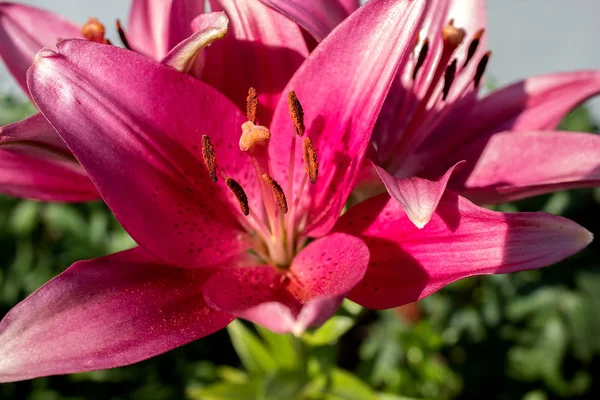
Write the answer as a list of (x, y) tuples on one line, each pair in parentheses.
[(174, 31), (432, 118), (256, 235)]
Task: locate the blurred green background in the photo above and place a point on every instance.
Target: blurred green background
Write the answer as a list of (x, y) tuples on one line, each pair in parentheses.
[(533, 335)]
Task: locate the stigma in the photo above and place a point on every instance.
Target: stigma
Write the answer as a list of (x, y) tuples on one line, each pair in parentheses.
[(276, 226)]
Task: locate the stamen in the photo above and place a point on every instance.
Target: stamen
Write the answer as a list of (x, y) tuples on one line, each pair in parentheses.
[(481, 68), (473, 46), (449, 78), (417, 39), (252, 105), (277, 193), (254, 137), (296, 112), (210, 157), (310, 161), (93, 31), (453, 36), (239, 194), (421, 59), (122, 35)]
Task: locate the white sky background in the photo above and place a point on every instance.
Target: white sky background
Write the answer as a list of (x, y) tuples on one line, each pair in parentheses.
[(527, 37)]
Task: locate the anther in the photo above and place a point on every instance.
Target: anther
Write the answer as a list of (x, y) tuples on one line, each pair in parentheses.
[(296, 112), (254, 137), (421, 59), (473, 46), (210, 158), (122, 35), (93, 31), (252, 105), (481, 68), (310, 161), (449, 78), (277, 193), (453, 36), (239, 194)]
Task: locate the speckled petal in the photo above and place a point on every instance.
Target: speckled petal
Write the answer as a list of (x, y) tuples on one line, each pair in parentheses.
[(105, 313)]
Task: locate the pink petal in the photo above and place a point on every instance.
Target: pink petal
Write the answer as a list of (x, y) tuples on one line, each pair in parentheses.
[(187, 56), (317, 17), (419, 197), (156, 26), (514, 165), (350, 5), (136, 126), (36, 174), (25, 30), (35, 131), (461, 240), (537, 103), (358, 61), (105, 313), (262, 50), (291, 300)]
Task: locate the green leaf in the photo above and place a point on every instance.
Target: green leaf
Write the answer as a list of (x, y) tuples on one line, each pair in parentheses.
[(226, 391), (330, 332), (339, 385), (25, 217), (283, 385), (285, 349), (252, 352)]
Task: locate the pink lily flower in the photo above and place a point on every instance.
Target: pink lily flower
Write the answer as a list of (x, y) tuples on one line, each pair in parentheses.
[(35, 163), (432, 119), (248, 226)]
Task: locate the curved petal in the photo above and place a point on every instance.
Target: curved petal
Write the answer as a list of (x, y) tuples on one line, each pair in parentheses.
[(317, 17), (143, 151), (187, 55), (36, 131), (514, 165), (262, 50), (25, 30), (156, 26), (291, 300), (37, 174), (419, 197), (105, 313), (536, 103), (350, 5), (358, 60), (461, 240)]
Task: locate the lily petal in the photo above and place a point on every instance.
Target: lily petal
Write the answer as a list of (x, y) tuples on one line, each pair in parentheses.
[(514, 165), (358, 60), (36, 174), (187, 55), (262, 50), (461, 240), (25, 30), (350, 5), (419, 197), (537, 103), (307, 295), (144, 152), (105, 313), (156, 26), (36, 131), (317, 17)]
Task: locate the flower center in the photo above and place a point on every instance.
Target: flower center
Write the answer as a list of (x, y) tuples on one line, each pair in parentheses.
[(275, 229), (432, 95)]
